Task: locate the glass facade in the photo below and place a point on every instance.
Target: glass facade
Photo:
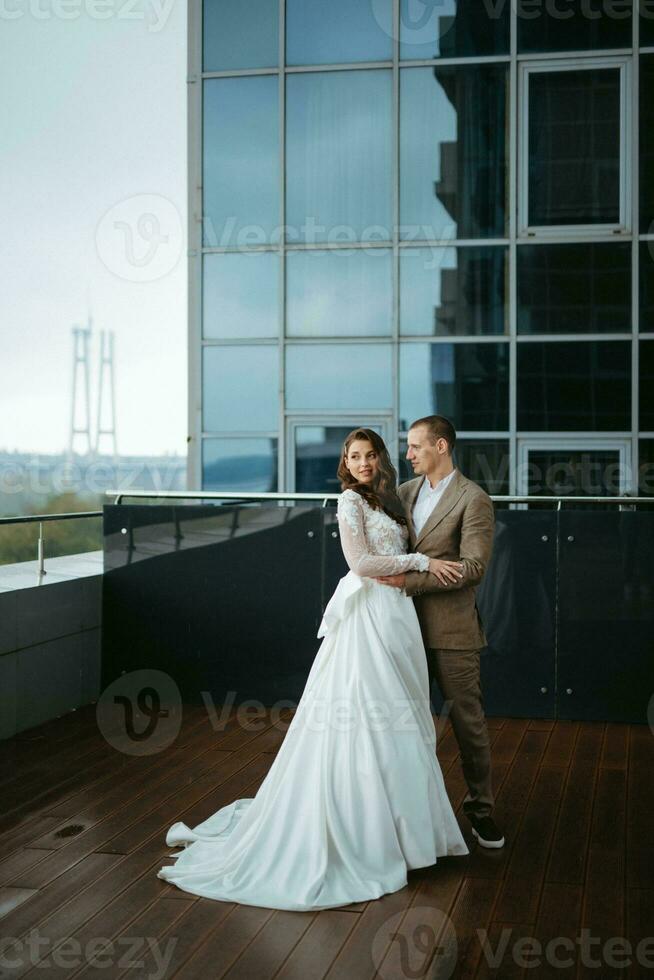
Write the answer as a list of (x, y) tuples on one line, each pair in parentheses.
[(402, 208)]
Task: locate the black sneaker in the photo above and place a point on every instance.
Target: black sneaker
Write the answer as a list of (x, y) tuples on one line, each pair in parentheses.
[(486, 832)]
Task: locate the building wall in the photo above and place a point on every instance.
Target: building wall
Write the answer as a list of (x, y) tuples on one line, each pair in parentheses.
[(399, 208)]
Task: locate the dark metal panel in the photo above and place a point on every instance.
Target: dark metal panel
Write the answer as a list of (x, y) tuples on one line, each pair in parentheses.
[(516, 601), (606, 615), (224, 599)]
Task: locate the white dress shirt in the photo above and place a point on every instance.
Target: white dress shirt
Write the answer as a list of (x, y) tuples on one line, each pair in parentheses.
[(427, 499)]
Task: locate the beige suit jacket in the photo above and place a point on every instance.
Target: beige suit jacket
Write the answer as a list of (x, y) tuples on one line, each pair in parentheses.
[(460, 527)]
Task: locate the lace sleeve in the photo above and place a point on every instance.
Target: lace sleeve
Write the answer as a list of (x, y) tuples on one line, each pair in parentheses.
[(355, 546)]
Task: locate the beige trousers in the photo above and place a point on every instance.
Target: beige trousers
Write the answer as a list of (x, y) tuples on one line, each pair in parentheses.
[(457, 674)]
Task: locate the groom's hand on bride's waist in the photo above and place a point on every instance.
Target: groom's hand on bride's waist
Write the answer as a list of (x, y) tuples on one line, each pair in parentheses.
[(446, 572), (397, 581)]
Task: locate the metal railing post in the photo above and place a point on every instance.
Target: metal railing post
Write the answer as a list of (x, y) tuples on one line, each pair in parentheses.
[(40, 554)]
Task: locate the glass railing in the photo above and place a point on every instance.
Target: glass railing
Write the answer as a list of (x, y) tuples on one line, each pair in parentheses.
[(225, 592), (35, 537)]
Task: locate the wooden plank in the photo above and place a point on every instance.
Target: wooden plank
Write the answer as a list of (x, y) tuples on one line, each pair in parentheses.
[(615, 750), (271, 947), (48, 900), (504, 951), (570, 842), (110, 919), (561, 745), (145, 948), (328, 932), (144, 818), (226, 943), (640, 930), (525, 871), (557, 929), (640, 806)]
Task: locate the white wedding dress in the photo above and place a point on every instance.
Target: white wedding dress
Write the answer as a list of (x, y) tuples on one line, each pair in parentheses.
[(355, 795)]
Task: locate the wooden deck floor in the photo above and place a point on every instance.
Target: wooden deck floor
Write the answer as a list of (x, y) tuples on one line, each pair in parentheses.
[(82, 835)]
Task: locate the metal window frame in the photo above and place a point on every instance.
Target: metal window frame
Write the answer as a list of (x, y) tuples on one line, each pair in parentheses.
[(588, 63), (319, 419), (517, 62), (555, 443)]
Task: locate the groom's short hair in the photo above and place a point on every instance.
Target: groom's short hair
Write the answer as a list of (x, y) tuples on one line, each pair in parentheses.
[(438, 427)]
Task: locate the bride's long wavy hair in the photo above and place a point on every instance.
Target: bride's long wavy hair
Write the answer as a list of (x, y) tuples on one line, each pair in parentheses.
[(381, 494)]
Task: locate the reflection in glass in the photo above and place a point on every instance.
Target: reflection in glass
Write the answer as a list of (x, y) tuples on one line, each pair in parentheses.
[(646, 24), (241, 159), (239, 388), (240, 36), (317, 454), (240, 294), (574, 147), (486, 461), (338, 156), (574, 472), (245, 464), (646, 136), (646, 468), (646, 387), (339, 293), (647, 286), (469, 383), (576, 25), (453, 291), (339, 377), (579, 288), (574, 385), (453, 152), (453, 29), (338, 32)]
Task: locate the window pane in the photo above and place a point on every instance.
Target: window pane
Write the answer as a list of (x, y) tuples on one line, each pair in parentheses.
[(469, 383), (341, 31), (574, 472), (240, 295), (246, 464), (574, 147), (647, 286), (451, 29), (453, 291), (338, 163), (317, 454), (646, 132), (646, 468), (647, 385), (238, 35), (339, 377), (576, 25), (241, 160), (567, 386), (646, 23), (240, 388), (486, 461), (339, 294), (574, 288), (452, 152)]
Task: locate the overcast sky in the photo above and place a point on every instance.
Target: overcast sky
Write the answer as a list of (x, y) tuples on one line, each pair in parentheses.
[(93, 214)]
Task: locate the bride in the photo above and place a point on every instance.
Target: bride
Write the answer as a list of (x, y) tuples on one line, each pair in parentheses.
[(355, 795)]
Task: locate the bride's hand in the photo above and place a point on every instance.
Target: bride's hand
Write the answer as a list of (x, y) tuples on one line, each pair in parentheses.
[(446, 571)]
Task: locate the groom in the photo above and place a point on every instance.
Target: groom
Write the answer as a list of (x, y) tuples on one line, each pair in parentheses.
[(452, 518)]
